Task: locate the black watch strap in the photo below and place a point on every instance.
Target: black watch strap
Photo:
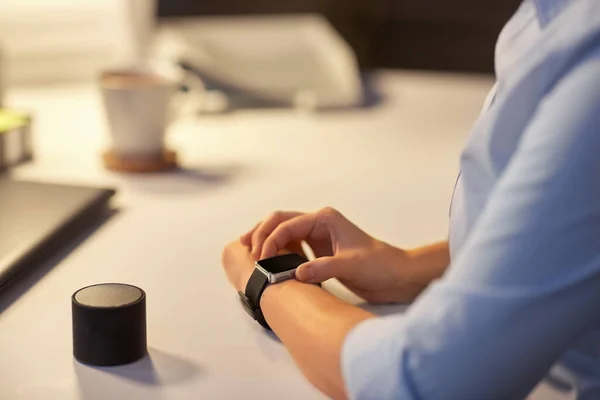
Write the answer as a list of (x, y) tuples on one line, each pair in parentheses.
[(251, 299)]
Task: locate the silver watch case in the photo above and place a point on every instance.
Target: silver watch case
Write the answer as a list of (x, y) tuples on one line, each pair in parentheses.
[(275, 278)]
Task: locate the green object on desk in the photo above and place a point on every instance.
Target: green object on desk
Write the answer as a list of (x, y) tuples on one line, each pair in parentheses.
[(10, 120)]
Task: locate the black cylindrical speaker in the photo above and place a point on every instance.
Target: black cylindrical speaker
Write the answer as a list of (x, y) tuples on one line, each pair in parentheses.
[(109, 324)]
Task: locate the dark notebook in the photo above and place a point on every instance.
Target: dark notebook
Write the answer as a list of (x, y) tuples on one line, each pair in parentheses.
[(36, 219)]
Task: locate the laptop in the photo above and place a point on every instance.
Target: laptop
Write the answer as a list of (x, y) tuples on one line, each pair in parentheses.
[(37, 219)]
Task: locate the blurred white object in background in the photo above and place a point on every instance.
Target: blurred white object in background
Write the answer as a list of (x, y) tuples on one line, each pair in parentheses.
[(291, 60), (140, 17), (288, 60), (59, 40)]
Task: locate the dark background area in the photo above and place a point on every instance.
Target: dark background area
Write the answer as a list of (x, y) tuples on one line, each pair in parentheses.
[(450, 35)]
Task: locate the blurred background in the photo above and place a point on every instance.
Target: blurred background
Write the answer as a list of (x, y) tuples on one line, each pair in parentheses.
[(455, 35), (53, 40)]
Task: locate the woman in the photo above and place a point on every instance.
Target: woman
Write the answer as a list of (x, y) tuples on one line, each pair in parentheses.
[(517, 288)]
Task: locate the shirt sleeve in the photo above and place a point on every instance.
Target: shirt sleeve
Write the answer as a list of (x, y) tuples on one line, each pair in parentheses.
[(526, 283)]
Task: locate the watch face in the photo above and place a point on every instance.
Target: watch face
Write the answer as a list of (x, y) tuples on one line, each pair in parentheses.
[(278, 264)]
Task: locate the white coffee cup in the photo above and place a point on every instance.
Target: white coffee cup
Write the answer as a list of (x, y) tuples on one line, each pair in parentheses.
[(138, 112)]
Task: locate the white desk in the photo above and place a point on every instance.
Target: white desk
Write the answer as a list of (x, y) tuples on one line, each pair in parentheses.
[(391, 169)]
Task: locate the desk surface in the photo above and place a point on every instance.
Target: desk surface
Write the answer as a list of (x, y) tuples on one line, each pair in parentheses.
[(390, 168)]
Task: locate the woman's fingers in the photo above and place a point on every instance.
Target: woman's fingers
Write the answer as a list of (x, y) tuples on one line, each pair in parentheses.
[(321, 269), (284, 227), (304, 227), (246, 238), (267, 227), (296, 247), (326, 224)]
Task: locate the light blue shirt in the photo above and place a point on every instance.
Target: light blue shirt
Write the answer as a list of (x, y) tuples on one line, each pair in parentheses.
[(522, 293)]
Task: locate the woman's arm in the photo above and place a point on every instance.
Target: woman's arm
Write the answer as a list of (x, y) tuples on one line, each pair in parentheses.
[(526, 283), (313, 325), (431, 262)]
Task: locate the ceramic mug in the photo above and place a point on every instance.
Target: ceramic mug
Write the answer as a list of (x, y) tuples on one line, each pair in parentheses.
[(137, 107)]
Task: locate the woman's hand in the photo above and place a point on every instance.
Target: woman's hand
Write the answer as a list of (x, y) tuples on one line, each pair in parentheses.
[(255, 238), (312, 323), (374, 270)]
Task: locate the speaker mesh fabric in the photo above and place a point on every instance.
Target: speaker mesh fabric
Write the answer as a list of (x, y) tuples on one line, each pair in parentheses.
[(108, 295)]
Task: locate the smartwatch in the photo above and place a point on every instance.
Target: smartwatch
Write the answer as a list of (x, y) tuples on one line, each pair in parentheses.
[(268, 271)]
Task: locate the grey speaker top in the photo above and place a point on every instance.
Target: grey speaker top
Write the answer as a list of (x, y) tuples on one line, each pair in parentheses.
[(108, 295)]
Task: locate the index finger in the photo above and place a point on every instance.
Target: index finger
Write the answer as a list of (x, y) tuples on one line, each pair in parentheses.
[(246, 238), (266, 228), (296, 229)]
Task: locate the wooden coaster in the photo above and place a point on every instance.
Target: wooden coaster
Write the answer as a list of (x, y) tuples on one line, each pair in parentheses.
[(140, 164)]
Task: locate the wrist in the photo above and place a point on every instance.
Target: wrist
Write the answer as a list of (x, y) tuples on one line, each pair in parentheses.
[(278, 290), (275, 289), (429, 262), (411, 279), (410, 273), (242, 282), (435, 256)]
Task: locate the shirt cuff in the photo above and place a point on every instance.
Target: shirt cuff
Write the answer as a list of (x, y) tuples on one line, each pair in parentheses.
[(373, 358)]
